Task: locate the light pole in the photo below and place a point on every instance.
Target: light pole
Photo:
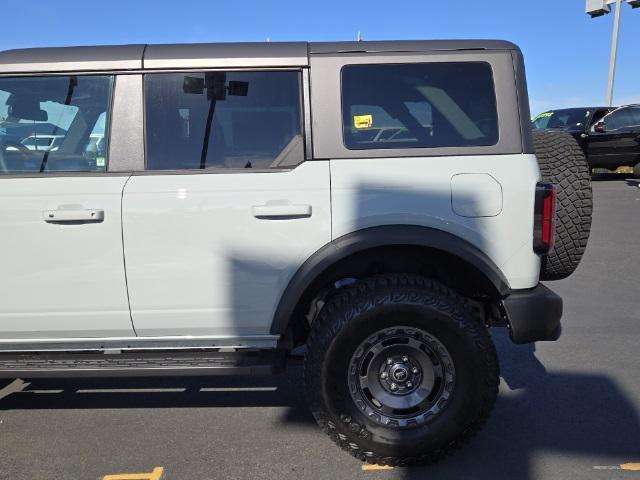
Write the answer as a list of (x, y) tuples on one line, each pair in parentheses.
[(597, 8)]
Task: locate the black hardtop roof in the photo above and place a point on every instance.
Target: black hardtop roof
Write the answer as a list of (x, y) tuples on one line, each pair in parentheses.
[(204, 55)]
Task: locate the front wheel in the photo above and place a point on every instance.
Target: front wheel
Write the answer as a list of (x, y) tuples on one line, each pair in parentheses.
[(400, 370)]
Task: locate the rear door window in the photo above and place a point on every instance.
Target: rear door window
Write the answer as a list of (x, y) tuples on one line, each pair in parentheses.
[(54, 124), (424, 105), (240, 120)]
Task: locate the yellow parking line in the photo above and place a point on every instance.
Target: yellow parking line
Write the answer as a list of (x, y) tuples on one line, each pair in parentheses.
[(631, 466), (369, 467), (155, 475)]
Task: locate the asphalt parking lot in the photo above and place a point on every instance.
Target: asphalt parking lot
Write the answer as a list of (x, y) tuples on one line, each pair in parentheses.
[(567, 409)]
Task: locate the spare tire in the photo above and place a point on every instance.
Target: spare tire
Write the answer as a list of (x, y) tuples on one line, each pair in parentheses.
[(562, 162)]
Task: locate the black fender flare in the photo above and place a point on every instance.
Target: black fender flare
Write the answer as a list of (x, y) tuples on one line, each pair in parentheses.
[(381, 236)]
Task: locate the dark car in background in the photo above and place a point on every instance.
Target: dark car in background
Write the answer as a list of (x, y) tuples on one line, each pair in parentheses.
[(609, 136)]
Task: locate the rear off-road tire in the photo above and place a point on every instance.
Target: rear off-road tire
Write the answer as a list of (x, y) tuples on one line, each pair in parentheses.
[(380, 330)]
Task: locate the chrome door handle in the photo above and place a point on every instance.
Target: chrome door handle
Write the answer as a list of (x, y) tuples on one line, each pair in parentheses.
[(73, 216), (267, 212)]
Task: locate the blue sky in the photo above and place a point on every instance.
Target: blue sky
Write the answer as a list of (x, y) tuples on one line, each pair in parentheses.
[(566, 52)]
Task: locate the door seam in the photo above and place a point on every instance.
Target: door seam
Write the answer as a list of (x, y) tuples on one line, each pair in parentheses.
[(124, 258), (330, 205)]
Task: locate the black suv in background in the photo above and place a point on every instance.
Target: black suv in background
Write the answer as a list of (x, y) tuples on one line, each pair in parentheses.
[(609, 136)]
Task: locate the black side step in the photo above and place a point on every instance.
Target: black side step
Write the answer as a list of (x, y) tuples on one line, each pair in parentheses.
[(141, 363)]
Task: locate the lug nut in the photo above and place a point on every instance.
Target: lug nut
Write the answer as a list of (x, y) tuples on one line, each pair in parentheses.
[(415, 370), (389, 361), (384, 375), (393, 387), (409, 384), (405, 359)]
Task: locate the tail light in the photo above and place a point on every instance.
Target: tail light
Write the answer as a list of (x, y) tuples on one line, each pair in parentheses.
[(544, 224)]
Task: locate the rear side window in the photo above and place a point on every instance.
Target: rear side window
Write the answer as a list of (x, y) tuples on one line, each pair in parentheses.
[(54, 124), (619, 119), (423, 105), (204, 120), (635, 116)]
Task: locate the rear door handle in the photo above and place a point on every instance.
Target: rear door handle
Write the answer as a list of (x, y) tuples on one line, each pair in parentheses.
[(90, 215), (268, 212)]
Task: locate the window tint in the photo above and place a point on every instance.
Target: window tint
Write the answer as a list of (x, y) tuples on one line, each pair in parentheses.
[(54, 124), (418, 105), (619, 119), (565, 118), (635, 116), (223, 120), (598, 115)]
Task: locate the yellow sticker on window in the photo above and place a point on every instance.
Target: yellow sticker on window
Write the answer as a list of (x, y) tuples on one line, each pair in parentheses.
[(100, 161), (362, 121), (543, 115)]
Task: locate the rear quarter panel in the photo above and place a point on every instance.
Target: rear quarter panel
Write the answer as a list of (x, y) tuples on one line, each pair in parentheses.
[(417, 191)]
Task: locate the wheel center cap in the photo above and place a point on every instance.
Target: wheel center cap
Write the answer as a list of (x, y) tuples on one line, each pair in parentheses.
[(400, 374)]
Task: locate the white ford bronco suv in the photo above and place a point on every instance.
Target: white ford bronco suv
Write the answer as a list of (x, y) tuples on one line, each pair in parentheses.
[(210, 207)]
